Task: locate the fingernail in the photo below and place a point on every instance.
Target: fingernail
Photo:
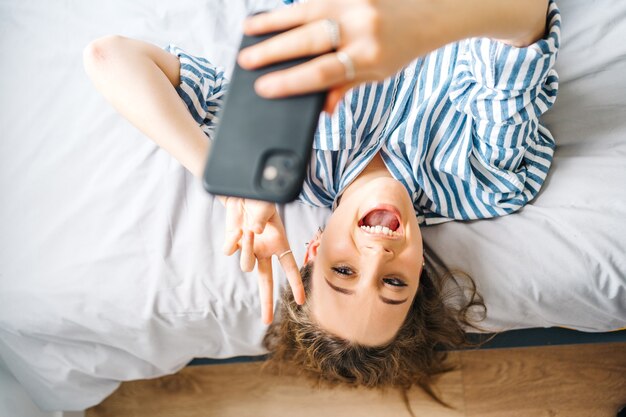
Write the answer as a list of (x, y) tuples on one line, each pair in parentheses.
[(258, 228)]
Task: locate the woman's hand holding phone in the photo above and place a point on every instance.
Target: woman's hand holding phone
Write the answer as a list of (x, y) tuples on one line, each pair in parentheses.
[(255, 228), (362, 40), (377, 38)]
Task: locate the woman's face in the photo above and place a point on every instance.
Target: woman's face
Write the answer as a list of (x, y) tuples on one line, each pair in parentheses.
[(365, 277)]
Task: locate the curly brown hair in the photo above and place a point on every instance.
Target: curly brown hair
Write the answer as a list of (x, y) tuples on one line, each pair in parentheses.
[(436, 322)]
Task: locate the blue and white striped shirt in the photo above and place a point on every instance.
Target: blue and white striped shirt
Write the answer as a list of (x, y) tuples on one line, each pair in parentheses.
[(458, 128)]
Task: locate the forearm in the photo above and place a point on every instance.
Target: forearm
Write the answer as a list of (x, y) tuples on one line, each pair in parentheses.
[(127, 74), (516, 22)]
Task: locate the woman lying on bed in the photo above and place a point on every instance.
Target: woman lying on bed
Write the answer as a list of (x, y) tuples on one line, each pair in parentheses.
[(453, 134)]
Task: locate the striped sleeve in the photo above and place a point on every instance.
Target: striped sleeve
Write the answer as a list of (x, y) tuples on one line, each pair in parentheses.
[(521, 82), (504, 90), (202, 88)]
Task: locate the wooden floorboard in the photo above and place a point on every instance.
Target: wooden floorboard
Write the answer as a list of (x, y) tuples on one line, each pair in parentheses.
[(574, 380), (552, 381), (241, 390)]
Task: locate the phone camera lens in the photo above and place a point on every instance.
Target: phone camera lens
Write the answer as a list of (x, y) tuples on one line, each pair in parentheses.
[(288, 163), (270, 173)]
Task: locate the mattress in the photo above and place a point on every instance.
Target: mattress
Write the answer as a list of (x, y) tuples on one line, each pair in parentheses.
[(110, 262)]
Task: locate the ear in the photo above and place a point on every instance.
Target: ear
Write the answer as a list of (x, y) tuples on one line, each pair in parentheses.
[(311, 250)]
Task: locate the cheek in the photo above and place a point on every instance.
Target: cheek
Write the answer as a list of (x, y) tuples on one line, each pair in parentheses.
[(417, 247), (335, 240), (336, 249), (416, 244), (413, 256), (340, 224)]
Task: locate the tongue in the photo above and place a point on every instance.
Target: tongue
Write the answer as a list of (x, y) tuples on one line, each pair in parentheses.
[(381, 218)]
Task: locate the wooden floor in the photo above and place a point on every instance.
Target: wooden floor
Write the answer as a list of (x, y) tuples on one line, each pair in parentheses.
[(572, 381)]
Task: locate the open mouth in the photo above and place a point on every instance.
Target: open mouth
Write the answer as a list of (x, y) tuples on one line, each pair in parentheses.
[(383, 221)]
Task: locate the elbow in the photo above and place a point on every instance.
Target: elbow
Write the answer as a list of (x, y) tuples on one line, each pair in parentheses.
[(533, 20), (528, 39)]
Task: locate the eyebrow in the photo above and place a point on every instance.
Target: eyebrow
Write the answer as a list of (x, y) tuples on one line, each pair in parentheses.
[(350, 292)]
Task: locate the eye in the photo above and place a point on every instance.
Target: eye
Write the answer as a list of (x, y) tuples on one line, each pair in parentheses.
[(394, 282), (342, 270)]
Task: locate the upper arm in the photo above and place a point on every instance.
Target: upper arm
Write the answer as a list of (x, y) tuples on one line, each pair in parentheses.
[(98, 52)]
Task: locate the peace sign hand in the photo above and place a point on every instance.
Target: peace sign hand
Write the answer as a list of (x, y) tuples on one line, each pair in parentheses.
[(256, 228)]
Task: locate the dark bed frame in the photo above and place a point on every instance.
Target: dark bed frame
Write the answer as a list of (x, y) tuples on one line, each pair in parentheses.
[(511, 339)]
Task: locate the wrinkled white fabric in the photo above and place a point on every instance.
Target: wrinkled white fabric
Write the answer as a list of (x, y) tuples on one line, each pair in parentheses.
[(110, 252)]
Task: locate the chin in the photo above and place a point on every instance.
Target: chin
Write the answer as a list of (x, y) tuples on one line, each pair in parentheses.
[(388, 185), (386, 191)]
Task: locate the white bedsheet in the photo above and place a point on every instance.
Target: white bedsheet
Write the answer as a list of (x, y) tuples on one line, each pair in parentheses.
[(110, 260)]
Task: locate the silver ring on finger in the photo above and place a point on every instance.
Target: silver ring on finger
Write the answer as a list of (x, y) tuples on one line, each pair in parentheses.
[(347, 63), (332, 27), (287, 252)]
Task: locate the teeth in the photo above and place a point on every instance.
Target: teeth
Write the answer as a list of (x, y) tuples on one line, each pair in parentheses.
[(379, 230)]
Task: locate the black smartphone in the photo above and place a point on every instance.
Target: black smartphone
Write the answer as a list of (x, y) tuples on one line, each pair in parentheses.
[(262, 146)]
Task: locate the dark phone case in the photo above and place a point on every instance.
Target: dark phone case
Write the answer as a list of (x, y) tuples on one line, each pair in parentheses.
[(255, 133)]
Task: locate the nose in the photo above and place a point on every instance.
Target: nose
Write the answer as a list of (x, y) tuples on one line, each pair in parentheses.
[(377, 250)]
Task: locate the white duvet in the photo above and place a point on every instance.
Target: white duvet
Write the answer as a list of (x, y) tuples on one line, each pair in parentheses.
[(110, 259)]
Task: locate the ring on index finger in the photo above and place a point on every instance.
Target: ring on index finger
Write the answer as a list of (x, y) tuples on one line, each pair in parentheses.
[(287, 252), (334, 34)]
